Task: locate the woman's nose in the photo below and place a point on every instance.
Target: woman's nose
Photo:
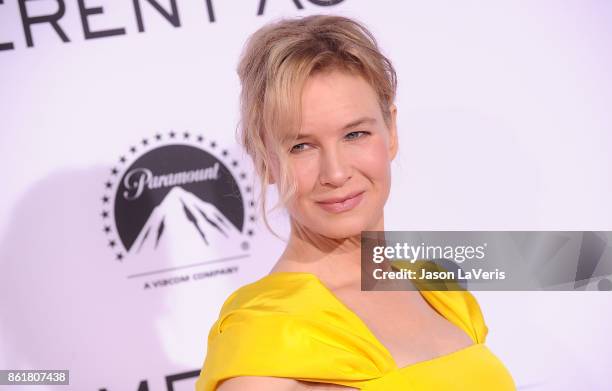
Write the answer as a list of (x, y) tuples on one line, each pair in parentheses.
[(335, 168)]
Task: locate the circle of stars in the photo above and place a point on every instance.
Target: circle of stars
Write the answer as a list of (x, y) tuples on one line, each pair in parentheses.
[(149, 143)]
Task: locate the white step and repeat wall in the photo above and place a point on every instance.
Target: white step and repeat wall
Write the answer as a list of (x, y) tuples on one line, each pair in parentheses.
[(119, 164)]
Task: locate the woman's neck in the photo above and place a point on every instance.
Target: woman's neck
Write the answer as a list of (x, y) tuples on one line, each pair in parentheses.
[(336, 262)]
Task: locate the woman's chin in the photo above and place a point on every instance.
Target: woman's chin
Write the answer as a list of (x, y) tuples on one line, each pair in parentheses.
[(341, 229), (336, 226)]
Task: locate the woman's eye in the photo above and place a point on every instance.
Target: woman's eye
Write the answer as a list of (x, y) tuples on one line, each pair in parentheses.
[(297, 148), (350, 136), (356, 134)]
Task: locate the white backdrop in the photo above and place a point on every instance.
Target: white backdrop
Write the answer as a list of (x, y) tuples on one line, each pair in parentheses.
[(504, 124)]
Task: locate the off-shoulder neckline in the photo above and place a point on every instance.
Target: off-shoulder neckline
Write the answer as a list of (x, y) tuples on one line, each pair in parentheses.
[(353, 314)]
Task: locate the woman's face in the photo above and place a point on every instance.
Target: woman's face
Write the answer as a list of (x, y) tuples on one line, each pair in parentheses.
[(344, 150)]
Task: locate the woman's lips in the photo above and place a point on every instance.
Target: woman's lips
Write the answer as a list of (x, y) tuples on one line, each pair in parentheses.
[(346, 205)]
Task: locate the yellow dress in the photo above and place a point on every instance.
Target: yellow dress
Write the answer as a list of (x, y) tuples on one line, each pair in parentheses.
[(288, 324)]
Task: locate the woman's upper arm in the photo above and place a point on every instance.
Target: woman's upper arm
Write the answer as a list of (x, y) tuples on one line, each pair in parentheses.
[(258, 383), (267, 383)]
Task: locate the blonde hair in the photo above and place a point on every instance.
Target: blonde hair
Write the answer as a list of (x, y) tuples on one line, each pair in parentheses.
[(276, 62)]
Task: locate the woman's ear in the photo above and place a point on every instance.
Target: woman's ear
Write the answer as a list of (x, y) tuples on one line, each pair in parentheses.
[(393, 141)]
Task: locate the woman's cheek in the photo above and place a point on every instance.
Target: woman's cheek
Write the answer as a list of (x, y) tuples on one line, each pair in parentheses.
[(374, 159), (305, 173)]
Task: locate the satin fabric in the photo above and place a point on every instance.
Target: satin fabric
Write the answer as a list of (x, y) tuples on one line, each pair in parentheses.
[(288, 324)]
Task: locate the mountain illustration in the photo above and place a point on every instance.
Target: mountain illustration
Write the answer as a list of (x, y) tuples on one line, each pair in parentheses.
[(183, 218)]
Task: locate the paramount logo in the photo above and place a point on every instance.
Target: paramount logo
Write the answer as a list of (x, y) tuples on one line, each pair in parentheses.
[(137, 179), (184, 201)]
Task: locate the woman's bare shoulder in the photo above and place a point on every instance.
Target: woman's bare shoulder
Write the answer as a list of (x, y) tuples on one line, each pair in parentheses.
[(267, 383)]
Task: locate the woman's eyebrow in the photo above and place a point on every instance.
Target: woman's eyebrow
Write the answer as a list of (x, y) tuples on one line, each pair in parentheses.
[(352, 124)]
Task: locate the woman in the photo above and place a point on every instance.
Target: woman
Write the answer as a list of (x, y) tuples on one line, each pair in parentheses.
[(319, 121)]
